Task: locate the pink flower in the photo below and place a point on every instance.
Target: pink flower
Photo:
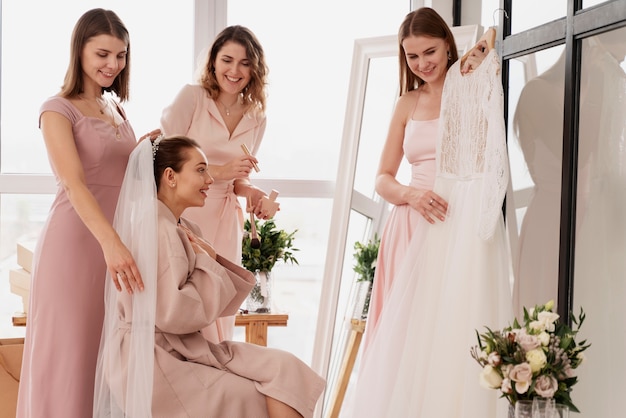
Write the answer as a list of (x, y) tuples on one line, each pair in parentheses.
[(526, 341), (522, 375), (546, 386), (567, 372)]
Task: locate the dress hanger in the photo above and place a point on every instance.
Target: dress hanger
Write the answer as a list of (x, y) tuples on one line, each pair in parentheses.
[(489, 36)]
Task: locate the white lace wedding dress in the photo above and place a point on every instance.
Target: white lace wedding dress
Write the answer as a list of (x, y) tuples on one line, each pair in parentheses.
[(456, 276)]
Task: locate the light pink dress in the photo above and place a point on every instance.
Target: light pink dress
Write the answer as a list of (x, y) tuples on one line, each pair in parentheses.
[(194, 114), (455, 277), (67, 290), (197, 378), (419, 150)]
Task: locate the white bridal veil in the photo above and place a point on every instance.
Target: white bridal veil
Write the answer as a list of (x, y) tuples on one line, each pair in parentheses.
[(124, 374)]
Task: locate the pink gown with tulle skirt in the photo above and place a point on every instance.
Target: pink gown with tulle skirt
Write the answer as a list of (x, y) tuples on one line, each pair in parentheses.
[(402, 224), (455, 277)]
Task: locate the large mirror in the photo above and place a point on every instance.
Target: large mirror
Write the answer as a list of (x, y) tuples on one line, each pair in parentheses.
[(600, 258), (358, 212)]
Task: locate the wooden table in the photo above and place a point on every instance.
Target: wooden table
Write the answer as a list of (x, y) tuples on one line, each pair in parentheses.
[(256, 325)]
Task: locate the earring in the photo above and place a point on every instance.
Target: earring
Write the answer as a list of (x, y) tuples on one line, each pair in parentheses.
[(449, 55), (173, 184)]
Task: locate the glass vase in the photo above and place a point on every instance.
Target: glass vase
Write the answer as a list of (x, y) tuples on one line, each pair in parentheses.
[(543, 408), (362, 299), (538, 408), (521, 409), (260, 298), (561, 411)]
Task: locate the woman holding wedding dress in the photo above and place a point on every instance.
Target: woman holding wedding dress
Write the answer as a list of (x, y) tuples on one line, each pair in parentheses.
[(454, 277)]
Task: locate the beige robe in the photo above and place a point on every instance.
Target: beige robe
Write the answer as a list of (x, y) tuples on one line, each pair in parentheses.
[(197, 378)]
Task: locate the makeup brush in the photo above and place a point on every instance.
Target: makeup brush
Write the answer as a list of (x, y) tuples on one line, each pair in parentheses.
[(255, 241), (247, 152)]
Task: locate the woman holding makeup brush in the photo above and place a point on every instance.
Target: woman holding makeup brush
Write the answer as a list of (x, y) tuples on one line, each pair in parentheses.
[(223, 112)]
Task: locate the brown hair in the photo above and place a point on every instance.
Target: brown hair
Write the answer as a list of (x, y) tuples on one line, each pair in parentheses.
[(253, 95), (170, 152), (422, 22), (93, 23)]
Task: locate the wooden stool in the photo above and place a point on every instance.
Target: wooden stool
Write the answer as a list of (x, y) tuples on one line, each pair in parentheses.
[(357, 327), (256, 325)]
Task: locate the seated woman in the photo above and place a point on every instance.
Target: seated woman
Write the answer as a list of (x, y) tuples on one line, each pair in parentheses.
[(153, 361)]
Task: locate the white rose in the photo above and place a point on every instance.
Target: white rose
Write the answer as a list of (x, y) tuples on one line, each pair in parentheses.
[(548, 318), (537, 325), (537, 359), (489, 378), (544, 338)]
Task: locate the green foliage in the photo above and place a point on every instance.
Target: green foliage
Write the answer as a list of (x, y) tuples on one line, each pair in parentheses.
[(365, 256), (276, 244), (501, 353)]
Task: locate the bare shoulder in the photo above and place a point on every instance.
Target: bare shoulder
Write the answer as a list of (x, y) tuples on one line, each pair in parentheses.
[(406, 103)]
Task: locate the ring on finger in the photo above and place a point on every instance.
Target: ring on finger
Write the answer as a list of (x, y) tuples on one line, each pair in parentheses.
[(431, 201)]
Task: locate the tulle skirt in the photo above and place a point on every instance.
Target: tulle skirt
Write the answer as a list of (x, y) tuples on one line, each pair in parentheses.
[(452, 283)]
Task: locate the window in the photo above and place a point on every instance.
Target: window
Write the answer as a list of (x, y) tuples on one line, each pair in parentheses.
[(33, 68)]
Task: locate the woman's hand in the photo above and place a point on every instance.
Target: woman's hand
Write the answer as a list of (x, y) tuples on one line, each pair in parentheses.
[(152, 135), (199, 244), (429, 204), (475, 57), (255, 199), (122, 267), (238, 168)]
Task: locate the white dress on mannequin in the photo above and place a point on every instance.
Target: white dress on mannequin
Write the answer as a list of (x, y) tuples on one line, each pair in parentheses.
[(456, 276)]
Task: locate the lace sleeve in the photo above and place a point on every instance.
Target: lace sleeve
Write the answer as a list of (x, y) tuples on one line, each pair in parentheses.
[(496, 177)]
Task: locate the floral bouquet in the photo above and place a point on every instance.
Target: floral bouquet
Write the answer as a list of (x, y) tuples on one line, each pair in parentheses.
[(535, 360)]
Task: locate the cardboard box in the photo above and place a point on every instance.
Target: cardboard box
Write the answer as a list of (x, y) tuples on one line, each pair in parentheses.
[(25, 255), (11, 351), (20, 285), (20, 278)]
